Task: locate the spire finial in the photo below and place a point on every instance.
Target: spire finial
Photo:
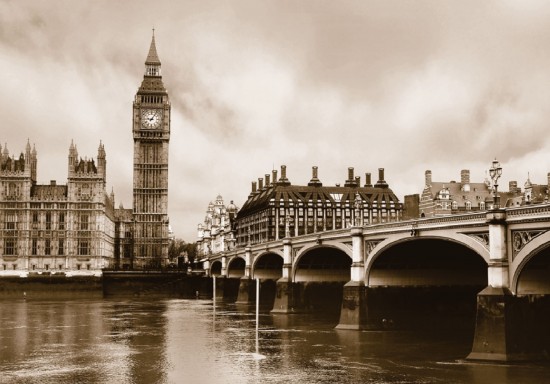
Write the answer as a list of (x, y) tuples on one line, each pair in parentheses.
[(152, 56)]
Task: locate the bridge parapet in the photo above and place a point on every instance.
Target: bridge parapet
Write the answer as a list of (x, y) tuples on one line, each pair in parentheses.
[(530, 213)]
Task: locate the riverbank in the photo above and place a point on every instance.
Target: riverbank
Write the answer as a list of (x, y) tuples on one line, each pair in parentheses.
[(108, 284), (49, 286)]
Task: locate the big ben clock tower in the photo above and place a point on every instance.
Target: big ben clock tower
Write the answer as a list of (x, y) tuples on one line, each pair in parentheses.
[(151, 131)]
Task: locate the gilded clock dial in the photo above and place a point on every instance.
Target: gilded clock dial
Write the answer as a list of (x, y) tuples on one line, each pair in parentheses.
[(151, 118)]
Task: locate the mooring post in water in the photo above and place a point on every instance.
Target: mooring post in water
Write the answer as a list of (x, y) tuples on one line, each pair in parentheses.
[(257, 302), (257, 313), (214, 290)]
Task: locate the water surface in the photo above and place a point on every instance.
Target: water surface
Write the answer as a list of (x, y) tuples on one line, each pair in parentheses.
[(191, 341)]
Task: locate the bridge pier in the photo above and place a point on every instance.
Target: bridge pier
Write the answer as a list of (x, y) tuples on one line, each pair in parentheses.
[(353, 314), (284, 291), (284, 297), (502, 328), (247, 291), (501, 333)]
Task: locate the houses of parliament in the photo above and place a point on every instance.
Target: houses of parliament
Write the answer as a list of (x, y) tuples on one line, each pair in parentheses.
[(74, 228)]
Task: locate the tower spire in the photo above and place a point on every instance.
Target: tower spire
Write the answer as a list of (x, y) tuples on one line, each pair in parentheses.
[(152, 62)]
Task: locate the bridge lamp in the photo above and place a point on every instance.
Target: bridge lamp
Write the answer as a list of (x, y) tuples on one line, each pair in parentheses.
[(495, 172)]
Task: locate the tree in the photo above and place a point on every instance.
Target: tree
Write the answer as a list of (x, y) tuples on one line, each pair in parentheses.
[(179, 247)]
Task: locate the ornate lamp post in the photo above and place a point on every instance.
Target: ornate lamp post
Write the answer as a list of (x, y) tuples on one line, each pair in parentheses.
[(495, 172)]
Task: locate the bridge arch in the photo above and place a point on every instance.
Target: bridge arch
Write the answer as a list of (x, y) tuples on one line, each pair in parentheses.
[(268, 265), (423, 254), (326, 262), (530, 267), (425, 282), (236, 267), (458, 238), (216, 268), (319, 274)]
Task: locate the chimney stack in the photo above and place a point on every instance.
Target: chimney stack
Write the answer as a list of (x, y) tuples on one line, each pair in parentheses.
[(368, 182), (274, 174), (260, 183), (253, 187), (513, 186), (283, 180), (350, 182), (358, 181), (428, 178), (465, 176), (381, 183), (314, 182), (267, 180)]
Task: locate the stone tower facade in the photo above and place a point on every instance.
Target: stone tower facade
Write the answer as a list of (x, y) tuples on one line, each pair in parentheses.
[(151, 132)]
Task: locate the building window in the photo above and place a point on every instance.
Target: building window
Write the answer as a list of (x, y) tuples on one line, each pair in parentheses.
[(60, 266), (62, 220), (84, 222), (34, 247), (35, 220), (468, 205), (482, 205), (454, 205), (9, 247), (60, 247), (47, 247), (47, 266), (83, 248), (48, 221)]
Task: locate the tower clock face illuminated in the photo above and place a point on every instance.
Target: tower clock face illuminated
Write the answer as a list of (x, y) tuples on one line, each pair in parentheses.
[(151, 118)]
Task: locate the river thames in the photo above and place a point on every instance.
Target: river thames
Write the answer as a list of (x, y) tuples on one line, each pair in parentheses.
[(193, 341)]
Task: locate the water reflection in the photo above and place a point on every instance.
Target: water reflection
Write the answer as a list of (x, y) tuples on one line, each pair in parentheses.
[(176, 341)]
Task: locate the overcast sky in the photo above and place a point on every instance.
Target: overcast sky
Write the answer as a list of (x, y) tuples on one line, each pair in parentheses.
[(401, 85)]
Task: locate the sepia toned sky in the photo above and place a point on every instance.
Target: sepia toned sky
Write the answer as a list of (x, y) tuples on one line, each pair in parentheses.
[(401, 85)]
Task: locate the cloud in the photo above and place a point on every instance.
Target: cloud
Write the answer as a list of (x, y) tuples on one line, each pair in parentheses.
[(405, 86)]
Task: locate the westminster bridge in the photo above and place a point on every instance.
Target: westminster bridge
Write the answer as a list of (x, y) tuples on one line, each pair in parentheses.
[(489, 271)]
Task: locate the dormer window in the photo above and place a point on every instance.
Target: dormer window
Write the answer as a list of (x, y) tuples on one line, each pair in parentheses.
[(468, 205)]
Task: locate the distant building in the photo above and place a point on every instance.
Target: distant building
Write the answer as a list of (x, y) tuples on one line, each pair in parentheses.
[(216, 233), (532, 193), (446, 198), (276, 209)]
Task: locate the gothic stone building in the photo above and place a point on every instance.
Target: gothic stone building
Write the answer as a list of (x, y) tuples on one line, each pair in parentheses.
[(74, 227), (55, 227)]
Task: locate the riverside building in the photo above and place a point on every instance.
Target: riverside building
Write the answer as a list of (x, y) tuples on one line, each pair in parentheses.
[(55, 227), (276, 208)]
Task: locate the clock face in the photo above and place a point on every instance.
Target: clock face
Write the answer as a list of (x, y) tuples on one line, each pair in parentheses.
[(151, 118)]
